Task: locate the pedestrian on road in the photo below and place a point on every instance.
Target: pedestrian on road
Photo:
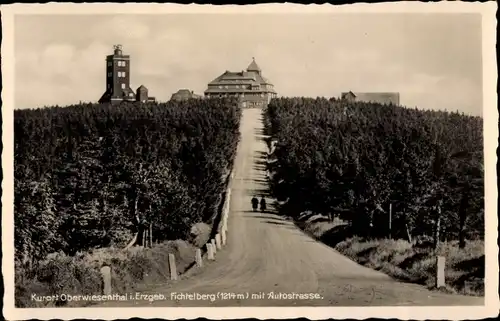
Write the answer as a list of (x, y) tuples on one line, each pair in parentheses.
[(255, 203), (262, 204)]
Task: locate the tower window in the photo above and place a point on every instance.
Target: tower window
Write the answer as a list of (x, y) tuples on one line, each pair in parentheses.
[(123, 86)]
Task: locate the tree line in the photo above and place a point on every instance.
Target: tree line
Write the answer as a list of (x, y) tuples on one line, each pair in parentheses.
[(370, 163), (94, 175)]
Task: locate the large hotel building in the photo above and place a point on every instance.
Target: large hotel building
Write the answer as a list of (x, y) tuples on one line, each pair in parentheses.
[(252, 89)]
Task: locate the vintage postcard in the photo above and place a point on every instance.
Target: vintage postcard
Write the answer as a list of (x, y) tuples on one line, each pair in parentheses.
[(259, 161)]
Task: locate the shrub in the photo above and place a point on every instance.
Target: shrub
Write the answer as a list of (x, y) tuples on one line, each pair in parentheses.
[(80, 274)]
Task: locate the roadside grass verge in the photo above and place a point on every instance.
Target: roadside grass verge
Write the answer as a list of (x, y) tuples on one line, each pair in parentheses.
[(405, 261), (131, 269)]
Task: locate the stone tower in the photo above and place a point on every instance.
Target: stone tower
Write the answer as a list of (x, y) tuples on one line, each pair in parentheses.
[(117, 78)]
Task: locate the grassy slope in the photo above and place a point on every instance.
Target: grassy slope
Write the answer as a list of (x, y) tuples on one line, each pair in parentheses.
[(402, 260), (132, 269)]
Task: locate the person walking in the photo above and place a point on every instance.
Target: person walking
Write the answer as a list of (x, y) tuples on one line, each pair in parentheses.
[(255, 203), (262, 204)]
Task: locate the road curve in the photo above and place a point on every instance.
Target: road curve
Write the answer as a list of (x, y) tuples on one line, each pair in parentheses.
[(266, 254)]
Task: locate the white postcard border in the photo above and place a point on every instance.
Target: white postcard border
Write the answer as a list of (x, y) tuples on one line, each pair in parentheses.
[(490, 114)]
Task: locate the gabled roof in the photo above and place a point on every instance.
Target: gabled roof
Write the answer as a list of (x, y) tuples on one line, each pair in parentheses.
[(350, 93), (376, 97), (184, 91), (141, 86), (184, 94), (105, 97), (253, 66)]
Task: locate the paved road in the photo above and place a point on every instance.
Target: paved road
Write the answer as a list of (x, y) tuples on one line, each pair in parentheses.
[(267, 254)]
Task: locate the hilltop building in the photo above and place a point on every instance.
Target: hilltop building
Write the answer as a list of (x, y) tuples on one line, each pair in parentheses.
[(184, 94), (250, 87), (374, 97), (118, 80)]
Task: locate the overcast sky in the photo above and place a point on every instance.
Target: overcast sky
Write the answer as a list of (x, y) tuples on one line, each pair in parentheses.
[(433, 60)]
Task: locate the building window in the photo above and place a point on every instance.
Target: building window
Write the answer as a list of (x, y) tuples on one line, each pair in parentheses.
[(110, 64), (123, 86), (109, 86), (220, 87), (124, 63)]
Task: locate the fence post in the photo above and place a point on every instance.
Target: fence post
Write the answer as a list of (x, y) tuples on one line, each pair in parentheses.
[(199, 260), (440, 266), (173, 268), (210, 252), (106, 279), (218, 241), (214, 248)]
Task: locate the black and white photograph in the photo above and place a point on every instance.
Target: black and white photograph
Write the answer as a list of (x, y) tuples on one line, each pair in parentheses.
[(323, 161)]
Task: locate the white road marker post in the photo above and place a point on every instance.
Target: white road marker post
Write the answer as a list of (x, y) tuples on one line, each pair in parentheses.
[(199, 260), (210, 252), (218, 242), (440, 267), (173, 268), (106, 279), (223, 236), (224, 225), (214, 246)]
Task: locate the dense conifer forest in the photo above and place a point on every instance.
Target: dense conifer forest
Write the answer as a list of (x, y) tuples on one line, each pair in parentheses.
[(363, 162), (90, 176)]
